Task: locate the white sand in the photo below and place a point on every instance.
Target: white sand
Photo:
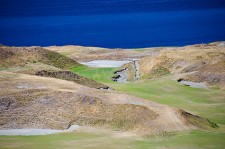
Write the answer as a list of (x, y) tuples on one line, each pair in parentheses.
[(31, 131), (194, 84), (105, 63)]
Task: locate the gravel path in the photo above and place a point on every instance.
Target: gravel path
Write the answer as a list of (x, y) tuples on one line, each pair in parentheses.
[(31, 131)]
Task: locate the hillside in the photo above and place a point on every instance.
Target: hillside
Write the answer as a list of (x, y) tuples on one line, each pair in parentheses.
[(84, 54), (32, 60), (200, 63), (46, 88), (39, 102), (13, 56)]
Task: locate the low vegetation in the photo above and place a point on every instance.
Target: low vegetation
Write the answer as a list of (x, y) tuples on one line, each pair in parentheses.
[(167, 91), (64, 103), (68, 75), (13, 56)]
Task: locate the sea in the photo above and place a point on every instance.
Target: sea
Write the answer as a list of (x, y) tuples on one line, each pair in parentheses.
[(111, 23)]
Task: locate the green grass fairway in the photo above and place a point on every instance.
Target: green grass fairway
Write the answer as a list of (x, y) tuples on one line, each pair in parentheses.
[(78, 140), (103, 75)]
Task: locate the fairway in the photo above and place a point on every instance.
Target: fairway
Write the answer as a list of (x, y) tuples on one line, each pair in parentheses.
[(81, 140)]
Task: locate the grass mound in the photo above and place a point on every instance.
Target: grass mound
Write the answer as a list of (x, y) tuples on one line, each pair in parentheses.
[(158, 72), (13, 56), (198, 121), (58, 60), (67, 75)]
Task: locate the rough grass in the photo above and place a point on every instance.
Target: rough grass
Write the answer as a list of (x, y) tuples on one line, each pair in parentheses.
[(68, 75), (12, 56), (203, 102), (207, 103), (59, 60), (158, 72), (199, 121)]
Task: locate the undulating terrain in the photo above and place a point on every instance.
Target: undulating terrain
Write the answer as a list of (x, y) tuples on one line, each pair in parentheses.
[(49, 88)]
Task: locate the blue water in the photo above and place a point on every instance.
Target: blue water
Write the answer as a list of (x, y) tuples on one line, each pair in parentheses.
[(111, 23)]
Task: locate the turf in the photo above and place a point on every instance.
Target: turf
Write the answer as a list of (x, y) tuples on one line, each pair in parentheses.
[(80, 140), (194, 139), (99, 74)]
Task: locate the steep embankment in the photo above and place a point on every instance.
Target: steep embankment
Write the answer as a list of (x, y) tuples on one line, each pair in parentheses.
[(198, 63), (129, 72), (20, 56), (212, 74), (39, 102), (33, 60)]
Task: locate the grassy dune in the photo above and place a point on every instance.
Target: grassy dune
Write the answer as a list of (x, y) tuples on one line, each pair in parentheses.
[(208, 103)]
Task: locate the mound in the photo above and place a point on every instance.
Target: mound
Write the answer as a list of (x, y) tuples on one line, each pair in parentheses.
[(212, 74), (32, 60), (67, 75), (13, 56), (39, 102), (205, 61)]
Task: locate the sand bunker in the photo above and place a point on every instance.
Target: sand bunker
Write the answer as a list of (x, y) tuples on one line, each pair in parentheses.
[(105, 63), (194, 84), (31, 131)]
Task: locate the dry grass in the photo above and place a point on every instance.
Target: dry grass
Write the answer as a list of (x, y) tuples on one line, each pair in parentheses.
[(41, 102), (206, 60)]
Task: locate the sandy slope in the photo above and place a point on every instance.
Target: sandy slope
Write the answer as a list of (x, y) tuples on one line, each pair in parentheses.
[(59, 103)]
